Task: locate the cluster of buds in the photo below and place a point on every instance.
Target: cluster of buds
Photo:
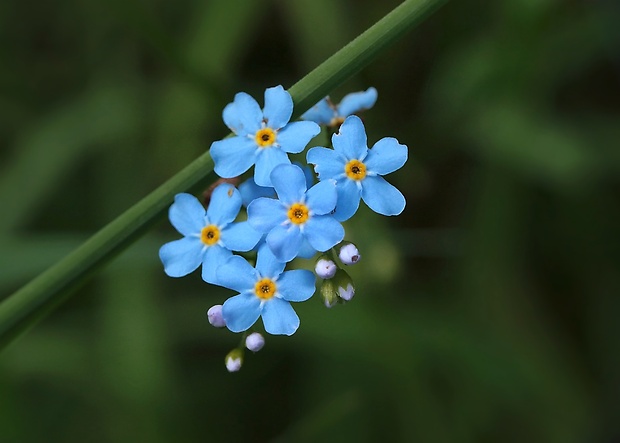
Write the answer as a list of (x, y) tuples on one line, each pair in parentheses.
[(337, 285), (253, 342)]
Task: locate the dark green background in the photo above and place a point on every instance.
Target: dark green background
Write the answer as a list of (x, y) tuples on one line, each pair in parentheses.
[(487, 312)]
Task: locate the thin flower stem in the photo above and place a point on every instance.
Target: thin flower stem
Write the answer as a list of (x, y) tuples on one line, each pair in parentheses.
[(360, 52), (35, 300), (243, 337)]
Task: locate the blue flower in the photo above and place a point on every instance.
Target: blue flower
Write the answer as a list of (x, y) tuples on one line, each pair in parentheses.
[(262, 137), (326, 113), (299, 218), (209, 236), (264, 291), (358, 170)]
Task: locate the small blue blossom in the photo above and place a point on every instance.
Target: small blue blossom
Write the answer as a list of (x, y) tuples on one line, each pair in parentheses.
[(358, 170), (265, 291), (262, 137), (326, 113), (250, 191), (209, 236), (298, 218)]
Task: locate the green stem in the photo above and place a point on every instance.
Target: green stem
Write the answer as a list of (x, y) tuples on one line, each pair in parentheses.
[(36, 299), (244, 335), (360, 52)]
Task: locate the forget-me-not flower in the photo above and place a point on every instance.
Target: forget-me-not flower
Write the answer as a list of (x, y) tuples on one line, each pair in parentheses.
[(265, 291), (326, 113), (209, 236), (262, 137), (297, 216), (358, 170)]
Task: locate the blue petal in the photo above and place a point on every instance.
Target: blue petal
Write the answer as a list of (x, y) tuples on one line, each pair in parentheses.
[(308, 173), (266, 213), (250, 191), (351, 139), (214, 257), (266, 160), (357, 101), (224, 205), (382, 197), (295, 136), (241, 311), (348, 199), (329, 164), (322, 197), (387, 155), (279, 317), (323, 232), (278, 107), (187, 214), (233, 156), (296, 285), (180, 257), (267, 263), (285, 242), (240, 237), (243, 116), (306, 250), (237, 274), (320, 113), (289, 182)]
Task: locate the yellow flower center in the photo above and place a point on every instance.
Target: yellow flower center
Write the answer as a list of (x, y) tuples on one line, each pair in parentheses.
[(265, 288), (265, 137), (210, 235), (355, 170), (298, 213)]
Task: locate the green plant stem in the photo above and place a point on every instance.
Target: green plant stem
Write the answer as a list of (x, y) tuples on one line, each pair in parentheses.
[(36, 299), (360, 52)]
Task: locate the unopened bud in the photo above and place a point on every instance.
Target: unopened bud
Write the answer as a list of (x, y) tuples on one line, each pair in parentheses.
[(346, 293), (215, 316), (234, 360), (349, 255), (329, 293), (254, 342), (325, 268), (344, 285)]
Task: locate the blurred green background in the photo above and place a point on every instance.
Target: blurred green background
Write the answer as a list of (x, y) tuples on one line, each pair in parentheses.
[(488, 311)]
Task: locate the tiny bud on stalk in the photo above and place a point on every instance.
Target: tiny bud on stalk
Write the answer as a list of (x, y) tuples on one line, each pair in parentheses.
[(329, 293), (254, 342), (344, 285), (234, 360), (215, 316), (325, 268), (346, 293), (349, 255)]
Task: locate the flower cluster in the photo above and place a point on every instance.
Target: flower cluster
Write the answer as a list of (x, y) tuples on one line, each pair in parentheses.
[(291, 212)]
